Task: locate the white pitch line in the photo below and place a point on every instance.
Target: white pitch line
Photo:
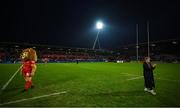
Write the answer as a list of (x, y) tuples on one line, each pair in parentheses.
[(135, 78), (169, 80), (157, 78), (130, 74), (7, 83), (33, 98)]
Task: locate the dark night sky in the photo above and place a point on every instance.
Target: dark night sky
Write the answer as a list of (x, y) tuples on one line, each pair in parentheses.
[(71, 23)]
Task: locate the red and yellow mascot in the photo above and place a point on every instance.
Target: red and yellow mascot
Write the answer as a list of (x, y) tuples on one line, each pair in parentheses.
[(29, 58)]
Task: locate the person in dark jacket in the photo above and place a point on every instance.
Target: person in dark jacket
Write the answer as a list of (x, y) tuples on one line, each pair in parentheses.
[(149, 83), (77, 61)]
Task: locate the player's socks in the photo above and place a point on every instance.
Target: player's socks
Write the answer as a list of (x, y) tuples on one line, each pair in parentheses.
[(31, 84), (27, 85)]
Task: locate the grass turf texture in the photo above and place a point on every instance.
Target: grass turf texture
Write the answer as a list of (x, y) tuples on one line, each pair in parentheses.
[(93, 84)]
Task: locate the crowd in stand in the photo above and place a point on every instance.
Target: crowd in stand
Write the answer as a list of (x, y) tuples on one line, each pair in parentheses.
[(70, 57), (54, 55), (12, 55)]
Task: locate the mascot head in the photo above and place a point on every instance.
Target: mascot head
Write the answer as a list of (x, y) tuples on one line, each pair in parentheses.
[(28, 54)]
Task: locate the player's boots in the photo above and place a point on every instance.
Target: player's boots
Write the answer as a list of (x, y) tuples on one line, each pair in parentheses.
[(152, 92), (32, 86), (146, 90), (24, 90)]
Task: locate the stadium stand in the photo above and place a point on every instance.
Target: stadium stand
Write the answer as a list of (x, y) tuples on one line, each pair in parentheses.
[(165, 51)]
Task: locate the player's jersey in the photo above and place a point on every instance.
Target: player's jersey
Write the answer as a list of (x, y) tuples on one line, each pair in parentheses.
[(27, 68)]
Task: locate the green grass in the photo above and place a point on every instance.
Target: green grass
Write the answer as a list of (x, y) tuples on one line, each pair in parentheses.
[(93, 84)]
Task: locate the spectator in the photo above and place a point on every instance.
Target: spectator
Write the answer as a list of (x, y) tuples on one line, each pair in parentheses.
[(148, 76)]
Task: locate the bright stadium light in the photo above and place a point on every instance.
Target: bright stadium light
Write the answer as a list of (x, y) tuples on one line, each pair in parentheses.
[(99, 25)]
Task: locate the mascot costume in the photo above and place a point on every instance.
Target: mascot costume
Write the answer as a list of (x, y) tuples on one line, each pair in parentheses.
[(29, 59)]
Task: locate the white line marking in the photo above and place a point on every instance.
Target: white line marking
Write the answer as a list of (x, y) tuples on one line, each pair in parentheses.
[(7, 83), (33, 98), (130, 74), (135, 78), (169, 80)]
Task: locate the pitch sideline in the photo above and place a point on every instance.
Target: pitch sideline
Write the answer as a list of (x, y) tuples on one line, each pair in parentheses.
[(33, 98), (138, 77)]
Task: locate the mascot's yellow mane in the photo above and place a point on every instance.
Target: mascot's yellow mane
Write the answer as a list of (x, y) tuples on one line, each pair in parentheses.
[(29, 54)]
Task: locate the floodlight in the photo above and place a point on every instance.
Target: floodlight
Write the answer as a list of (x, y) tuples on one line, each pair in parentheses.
[(99, 25)]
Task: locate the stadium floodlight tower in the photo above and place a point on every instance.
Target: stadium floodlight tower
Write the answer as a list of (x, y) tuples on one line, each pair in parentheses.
[(99, 26)]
